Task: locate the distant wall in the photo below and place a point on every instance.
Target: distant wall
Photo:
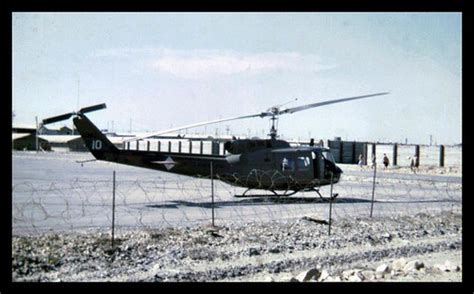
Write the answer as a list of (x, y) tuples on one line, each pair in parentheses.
[(347, 151), (429, 155)]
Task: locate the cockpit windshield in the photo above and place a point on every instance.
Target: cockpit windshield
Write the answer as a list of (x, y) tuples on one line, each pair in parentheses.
[(328, 155)]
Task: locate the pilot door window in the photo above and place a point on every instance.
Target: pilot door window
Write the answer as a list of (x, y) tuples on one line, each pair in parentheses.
[(303, 163), (287, 164)]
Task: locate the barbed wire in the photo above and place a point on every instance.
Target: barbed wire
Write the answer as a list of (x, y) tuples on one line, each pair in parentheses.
[(83, 203)]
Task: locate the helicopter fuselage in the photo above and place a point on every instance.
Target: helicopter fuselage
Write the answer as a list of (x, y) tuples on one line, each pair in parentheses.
[(270, 169), (259, 164)]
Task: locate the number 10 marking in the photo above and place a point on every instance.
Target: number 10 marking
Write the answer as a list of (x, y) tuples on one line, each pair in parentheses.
[(96, 144)]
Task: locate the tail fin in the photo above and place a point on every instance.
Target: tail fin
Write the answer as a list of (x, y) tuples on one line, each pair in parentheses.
[(95, 141)]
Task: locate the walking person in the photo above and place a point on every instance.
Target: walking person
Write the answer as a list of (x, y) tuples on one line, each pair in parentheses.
[(412, 163), (361, 160), (385, 160)]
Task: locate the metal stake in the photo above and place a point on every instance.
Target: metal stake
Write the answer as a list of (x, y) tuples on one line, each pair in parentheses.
[(330, 206), (113, 209), (212, 193), (373, 191), (36, 135)]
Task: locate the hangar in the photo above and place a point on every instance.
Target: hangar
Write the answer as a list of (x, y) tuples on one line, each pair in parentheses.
[(27, 141)]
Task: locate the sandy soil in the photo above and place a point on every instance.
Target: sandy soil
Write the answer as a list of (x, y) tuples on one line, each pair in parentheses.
[(275, 251)]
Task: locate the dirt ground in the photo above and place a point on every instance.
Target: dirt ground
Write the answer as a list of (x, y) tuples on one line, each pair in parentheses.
[(422, 247)]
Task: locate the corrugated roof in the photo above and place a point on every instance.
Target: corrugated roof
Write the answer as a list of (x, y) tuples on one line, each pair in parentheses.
[(24, 126), (19, 135), (59, 138), (56, 128)]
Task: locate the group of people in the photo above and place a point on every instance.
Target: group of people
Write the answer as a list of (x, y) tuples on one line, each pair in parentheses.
[(414, 163)]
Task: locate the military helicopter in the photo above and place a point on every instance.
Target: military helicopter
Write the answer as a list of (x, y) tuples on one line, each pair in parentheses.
[(264, 164)]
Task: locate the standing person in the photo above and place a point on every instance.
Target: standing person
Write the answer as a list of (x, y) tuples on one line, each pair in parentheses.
[(385, 160), (416, 162), (412, 163), (361, 160)]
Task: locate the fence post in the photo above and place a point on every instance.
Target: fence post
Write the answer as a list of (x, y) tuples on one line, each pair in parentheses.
[(190, 146), (212, 193), (128, 145), (169, 146), (441, 155), (417, 154), (147, 145), (159, 146), (201, 147), (395, 154), (330, 207), (138, 145), (374, 149), (373, 191), (179, 147), (36, 135), (113, 209)]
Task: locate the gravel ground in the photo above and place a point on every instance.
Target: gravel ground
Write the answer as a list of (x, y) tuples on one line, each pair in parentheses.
[(422, 247)]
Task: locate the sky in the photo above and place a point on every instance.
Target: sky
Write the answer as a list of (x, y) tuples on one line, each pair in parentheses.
[(161, 70)]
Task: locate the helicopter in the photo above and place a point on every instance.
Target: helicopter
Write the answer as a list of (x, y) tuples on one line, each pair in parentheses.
[(264, 164)]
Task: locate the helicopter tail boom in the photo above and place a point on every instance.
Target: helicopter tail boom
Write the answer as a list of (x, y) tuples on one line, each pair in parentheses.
[(96, 142)]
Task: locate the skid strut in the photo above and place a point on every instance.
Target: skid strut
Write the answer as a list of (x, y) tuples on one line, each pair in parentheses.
[(286, 194)]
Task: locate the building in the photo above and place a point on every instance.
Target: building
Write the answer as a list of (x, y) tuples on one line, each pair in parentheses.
[(24, 129), (64, 130), (27, 141)]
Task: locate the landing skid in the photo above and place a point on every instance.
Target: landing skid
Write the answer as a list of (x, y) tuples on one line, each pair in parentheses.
[(286, 194), (266, 195)]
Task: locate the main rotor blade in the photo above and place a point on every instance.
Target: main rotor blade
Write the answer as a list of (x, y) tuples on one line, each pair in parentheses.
[(93, 108), (304, 107), (57, 118), (262, 114), (195, 125)]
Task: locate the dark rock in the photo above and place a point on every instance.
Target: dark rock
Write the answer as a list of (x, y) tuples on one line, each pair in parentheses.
[(254, 251)]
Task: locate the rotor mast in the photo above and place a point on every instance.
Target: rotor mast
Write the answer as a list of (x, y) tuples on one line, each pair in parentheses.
[(273, 131)]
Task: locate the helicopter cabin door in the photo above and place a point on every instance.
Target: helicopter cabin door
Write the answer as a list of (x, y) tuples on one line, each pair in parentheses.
[(318, 165), (304, 166)]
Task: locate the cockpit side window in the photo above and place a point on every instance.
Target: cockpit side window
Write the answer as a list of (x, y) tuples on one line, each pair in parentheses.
[(287, 164), (328, 155), (303, 162)]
